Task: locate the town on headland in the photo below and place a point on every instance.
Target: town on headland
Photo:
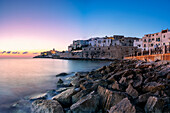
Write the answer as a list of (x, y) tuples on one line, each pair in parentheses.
[(150, 47)]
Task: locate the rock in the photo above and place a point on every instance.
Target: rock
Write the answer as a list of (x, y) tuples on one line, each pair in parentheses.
[(61, 90), (124, 106), (22, 106), (154, 105), (61, 74), (65, 97), (39, 96), (153, 87), (117, 76), (131, 91), (144, 97), (137, 81), (86, 85), (88, 104), (116, 86), (144, 65), (60, 81), (77, 81), (109, 98), (81, 74), (46, 106), (79, 95)]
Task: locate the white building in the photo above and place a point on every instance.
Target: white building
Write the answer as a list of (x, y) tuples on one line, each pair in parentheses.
[(138, 43)]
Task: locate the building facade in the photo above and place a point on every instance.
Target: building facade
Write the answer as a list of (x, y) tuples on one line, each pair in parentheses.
[(152, 41)]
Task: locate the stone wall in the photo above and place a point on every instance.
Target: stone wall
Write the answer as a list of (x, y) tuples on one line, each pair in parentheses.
[(111, 52)]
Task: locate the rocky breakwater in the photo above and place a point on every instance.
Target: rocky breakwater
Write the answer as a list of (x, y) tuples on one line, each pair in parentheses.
[(124, 86)]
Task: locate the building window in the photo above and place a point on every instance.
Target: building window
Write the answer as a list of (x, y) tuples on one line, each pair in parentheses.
[(149, 40), (156, 33), (151, 45), (99, 41), (108, 48), (152, 34), (164, 36), (144, 40), (153, 39), (163, 43), (144, 45), (158, 39)]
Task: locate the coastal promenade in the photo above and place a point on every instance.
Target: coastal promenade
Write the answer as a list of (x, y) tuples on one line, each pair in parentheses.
[(154, 57)]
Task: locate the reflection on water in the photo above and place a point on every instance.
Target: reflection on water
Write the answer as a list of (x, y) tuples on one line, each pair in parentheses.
[(21, 77)]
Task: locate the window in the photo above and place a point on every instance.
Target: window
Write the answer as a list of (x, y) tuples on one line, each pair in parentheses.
[(99, 41), (144, 40), (158, 39), (153, 39), (153, 35), (151, 45), (163, 43), (149, 40), (156, 33), (144, 45), (164, 36), (138, 45)]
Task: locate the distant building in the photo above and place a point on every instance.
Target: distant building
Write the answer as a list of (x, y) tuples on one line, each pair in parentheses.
[(78, 44), (138, 43), (152, 41)]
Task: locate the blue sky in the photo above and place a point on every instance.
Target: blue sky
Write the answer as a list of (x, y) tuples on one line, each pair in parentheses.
[(47, 24)]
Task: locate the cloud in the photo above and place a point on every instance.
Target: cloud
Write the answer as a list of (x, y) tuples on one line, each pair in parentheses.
[(25, 52), (14, 52), (8, 52), (35, 53), (2, 52)]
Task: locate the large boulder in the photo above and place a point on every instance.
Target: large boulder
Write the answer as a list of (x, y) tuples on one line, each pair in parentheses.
[(144, 97), (131, 91), (87, 104), (124, 106), (46, 106), (61, 74), (109, 98), (153, 87), (79, 95), (154, 105), (65, 97)]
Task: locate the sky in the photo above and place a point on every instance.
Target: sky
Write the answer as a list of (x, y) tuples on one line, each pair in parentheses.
[(33, 26)]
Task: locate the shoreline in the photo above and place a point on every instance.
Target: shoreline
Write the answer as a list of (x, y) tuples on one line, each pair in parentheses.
[(123, 82)]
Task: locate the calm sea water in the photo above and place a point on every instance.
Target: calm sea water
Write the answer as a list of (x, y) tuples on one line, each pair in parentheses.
[(23, 77)]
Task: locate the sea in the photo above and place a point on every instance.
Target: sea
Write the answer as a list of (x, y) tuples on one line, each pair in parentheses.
[(23, 77)]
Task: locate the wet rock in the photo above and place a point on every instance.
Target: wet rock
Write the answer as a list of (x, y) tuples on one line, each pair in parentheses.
[(39, 96), (109, 98), (124, 106), (77, 81), (153, 87), (46, 106), (79, 95), (154, 105), (61, 74), (22, 106), (60, 81), (65, 97), (88, 104)]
